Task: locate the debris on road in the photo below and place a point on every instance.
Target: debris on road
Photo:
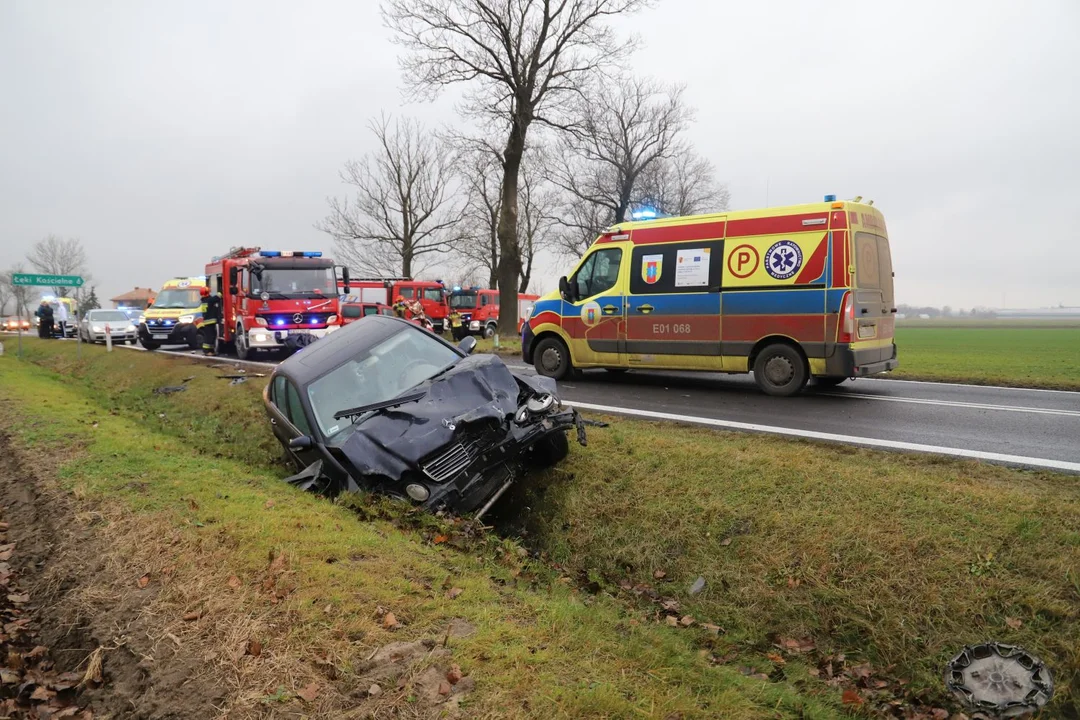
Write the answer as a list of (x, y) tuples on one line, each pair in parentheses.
[(237, 381), (698, 585), (595, 423)]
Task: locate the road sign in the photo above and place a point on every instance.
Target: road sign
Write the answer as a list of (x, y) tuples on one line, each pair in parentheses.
[(47, 280)]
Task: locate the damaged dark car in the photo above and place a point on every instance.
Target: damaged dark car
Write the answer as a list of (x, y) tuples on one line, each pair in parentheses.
[(385, 406)]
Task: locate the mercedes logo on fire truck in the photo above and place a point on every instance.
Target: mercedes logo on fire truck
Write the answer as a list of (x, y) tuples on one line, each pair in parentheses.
[(298, 318)]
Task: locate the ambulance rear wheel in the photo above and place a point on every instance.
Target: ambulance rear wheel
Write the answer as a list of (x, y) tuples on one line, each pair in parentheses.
[(552, 358), (780, 370)]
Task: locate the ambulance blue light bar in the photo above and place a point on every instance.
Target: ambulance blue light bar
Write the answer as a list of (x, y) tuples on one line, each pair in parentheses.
[(290, 253), (830, 198)]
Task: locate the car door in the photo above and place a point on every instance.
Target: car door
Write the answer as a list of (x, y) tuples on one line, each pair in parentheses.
[(595, 322), (289, 421)]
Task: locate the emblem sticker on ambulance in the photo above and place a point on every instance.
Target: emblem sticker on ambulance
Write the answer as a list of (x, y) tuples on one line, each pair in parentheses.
[(651, 267), (590, 313), (783, 259)]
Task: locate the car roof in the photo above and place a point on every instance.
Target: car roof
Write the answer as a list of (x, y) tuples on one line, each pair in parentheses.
[(333, 350)]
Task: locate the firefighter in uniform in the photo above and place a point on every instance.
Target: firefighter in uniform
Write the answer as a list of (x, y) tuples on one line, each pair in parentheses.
[(211, 319)]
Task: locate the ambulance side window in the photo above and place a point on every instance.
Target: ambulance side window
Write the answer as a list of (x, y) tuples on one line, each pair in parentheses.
[(654, 268), (599, 273)]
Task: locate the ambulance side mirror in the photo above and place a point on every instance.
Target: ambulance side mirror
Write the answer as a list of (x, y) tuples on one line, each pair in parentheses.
[(565, 289)]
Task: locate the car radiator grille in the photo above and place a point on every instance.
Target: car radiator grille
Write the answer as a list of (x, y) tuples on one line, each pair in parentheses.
[(453, 460)]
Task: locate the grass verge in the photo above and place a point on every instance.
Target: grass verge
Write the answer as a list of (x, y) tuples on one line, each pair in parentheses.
[(542, 648), (1038, 357), (894, 561)]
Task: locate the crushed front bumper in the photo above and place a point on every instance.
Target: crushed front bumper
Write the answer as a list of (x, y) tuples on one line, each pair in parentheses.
[(491, 468)]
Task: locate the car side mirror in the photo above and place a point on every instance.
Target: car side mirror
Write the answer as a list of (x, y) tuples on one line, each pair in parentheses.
[(301, 442), (467, 344), (345, 279)]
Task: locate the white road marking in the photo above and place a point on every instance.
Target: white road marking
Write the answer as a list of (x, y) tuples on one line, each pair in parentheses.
[(831, 437), (967, 385), (954, 403)]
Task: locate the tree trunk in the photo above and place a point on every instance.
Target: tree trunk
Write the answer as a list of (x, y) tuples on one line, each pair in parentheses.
[(406, 264), (526, 274), (509, 253), (493, 266)]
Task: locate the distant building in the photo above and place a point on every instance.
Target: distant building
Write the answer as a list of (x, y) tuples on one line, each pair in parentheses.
[(141, 298)]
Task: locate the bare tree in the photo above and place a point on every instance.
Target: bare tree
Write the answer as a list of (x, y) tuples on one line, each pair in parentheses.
[(5, 294), (525, 59), (481, 174), (54, 255), (480, 245), (578, 225), (405, 208), (684, 184), (627, 127), (535, 220), (20, 293)]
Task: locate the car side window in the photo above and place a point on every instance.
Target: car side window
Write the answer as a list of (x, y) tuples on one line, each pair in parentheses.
[(599, 273), (277, 393), (296, 410)]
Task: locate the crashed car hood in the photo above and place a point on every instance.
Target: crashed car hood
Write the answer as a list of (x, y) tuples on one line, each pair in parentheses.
[(478, 389)]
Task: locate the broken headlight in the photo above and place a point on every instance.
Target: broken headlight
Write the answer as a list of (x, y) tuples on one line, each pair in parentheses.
[(535, 406)]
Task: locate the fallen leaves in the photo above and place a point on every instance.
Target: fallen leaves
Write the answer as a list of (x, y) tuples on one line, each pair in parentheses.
[(1014, 623), (143, 581), (454, 592), (269, 504), (390, 621), (850, 697), (193, 615), (234, 582), (309, 692)]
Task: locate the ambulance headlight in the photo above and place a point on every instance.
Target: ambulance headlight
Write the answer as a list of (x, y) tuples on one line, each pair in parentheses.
[(527, 314), (474, 325), (417, 492), (186, 319)]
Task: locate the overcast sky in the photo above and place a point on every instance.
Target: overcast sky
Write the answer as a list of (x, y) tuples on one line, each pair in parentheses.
[(161, 133)]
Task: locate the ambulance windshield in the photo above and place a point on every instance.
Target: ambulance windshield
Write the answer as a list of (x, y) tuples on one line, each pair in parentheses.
[(176, 298)]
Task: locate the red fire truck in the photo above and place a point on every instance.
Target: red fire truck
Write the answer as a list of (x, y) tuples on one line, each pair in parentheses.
[(430, 293), (475, 311), (274, 299)]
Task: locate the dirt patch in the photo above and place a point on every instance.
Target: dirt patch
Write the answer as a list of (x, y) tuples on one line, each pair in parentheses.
[(90, 625), (128, 618)]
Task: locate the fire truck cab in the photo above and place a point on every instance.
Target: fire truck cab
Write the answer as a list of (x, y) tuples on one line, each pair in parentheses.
[(475, 311), (274, 299), (385, 291)]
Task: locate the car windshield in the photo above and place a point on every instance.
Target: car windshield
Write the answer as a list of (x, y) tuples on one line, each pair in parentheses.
[(295, 281), (108, 316), (378, 373), (175, 298), (463, 301)]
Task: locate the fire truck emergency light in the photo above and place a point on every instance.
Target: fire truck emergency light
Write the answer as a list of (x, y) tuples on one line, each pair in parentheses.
[(290, 253)]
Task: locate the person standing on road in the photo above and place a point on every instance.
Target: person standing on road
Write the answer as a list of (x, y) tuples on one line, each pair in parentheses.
[(62, 318), (45, 324), (210, 320), (39, 313)]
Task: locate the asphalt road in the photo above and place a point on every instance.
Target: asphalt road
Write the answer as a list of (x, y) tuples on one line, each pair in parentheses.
[(1036, 428)]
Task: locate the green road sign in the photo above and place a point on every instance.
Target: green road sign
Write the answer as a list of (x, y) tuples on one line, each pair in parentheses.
[(47, 280)]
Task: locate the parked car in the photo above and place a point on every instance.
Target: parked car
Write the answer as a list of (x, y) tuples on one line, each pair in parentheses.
[(385, 406), (14, 324), (95, 324)]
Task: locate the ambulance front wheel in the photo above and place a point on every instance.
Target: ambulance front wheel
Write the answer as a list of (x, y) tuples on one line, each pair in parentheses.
[(780, 370), (552, 358)]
